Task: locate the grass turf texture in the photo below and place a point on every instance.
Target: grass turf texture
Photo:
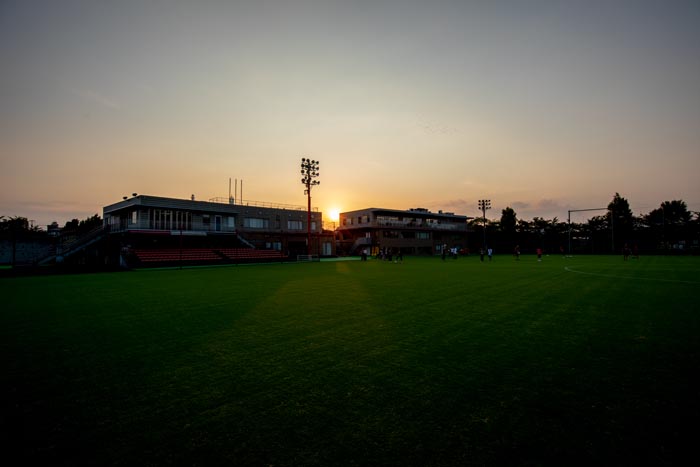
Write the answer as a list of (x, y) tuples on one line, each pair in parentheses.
[(425, 362)]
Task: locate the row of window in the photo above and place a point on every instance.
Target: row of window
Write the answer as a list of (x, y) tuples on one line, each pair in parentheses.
[(259, 223), (391, 221), (167, 219), (359, 220)]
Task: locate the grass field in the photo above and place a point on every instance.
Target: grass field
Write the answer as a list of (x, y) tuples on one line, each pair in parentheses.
[(571, 361)]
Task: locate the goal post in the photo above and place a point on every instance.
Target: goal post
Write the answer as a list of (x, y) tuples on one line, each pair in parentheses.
[(569, 220)]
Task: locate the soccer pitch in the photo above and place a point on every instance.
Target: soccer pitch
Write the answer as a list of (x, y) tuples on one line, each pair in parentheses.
[(584, 360)]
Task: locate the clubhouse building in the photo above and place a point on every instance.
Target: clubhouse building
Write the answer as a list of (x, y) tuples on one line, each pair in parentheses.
[(413, 231), (154, 222)]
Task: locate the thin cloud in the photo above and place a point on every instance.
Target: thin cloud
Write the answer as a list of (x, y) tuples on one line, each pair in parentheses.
[(58, 206), (520, 205), (435, 126), (549, 204), (97, 98)]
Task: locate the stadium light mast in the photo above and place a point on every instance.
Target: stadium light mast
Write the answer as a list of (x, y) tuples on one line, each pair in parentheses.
[(309, 171), (484, 204)]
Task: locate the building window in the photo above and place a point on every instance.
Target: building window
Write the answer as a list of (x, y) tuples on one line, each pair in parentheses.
[(183, 220), (423, 235), (162, 219), (134, 217), (255, 223), (313, 225), (294, 225), (231, 222)]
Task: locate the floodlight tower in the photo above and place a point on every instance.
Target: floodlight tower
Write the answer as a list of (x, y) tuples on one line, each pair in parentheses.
[(484, 204), (309, 171)]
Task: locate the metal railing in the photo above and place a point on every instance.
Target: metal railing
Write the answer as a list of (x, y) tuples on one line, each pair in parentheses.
[(79, 240), (194, 226), (259, 204), (409, 225)]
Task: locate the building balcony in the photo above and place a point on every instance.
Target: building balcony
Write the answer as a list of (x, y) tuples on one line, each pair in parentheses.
[(192, 228), (398, 225)]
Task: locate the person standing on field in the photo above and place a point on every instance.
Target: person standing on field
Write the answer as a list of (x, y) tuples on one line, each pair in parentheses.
[(490, 253), (626, 252)]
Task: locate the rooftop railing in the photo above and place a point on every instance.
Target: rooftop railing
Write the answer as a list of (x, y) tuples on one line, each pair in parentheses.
[(259, 204)]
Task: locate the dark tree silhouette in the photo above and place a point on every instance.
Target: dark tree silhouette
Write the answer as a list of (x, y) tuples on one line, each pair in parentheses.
[(670, 223), (621, 221), (508, 220)]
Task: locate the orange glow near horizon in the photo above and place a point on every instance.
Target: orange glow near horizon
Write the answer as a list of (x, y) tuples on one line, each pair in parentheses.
[(334, 214)]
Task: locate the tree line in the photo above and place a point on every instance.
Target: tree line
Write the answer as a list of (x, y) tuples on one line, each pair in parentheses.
[(21, 227), (670, 228)]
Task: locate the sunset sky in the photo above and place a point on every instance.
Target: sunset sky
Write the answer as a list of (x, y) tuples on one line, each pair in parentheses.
[(543, 106)]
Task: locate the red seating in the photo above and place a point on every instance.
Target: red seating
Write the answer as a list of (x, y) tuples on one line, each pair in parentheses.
[(249, 253), (175, 254), (172, 255)]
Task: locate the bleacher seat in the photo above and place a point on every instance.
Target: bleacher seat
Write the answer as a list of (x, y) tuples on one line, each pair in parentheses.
[(205, 255)]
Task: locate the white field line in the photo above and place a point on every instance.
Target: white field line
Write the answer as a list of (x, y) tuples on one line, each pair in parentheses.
[(613, 276)]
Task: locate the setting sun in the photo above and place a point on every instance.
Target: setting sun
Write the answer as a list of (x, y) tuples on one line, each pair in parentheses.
[(334, 214)]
